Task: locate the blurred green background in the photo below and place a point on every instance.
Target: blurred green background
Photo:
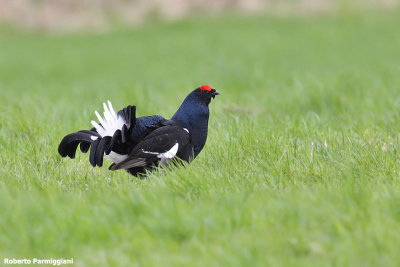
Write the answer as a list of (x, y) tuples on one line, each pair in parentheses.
[(301, 165)]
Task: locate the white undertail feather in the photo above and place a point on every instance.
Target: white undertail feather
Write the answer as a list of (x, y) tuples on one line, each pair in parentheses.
[(115, 157), (110, 123)]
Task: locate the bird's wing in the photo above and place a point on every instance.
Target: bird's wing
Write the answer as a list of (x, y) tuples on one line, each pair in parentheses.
[(144, 125), (124, 141), (161, 145)]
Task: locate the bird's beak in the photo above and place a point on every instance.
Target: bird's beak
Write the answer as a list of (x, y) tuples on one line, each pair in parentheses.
[(214, 93)]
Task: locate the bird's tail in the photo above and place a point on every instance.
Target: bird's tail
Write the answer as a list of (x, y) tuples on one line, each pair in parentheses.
[(70, 143), (111, 131)]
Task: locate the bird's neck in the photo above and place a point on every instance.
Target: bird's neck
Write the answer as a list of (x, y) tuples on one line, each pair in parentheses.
[(194, 117)]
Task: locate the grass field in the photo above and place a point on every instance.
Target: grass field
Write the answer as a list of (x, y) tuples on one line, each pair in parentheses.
[(301, 166)]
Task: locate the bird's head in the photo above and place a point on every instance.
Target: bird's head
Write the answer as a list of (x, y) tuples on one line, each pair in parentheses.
[(195, 105), (193, 115), (204, 94)]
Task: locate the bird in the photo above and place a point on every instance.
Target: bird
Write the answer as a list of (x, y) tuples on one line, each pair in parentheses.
[(137, 145)]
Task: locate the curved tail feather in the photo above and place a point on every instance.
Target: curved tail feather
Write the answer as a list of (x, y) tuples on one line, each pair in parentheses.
[(70, 143), (112, 130)]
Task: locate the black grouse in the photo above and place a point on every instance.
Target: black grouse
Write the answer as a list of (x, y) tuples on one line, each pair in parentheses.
[(138, 144)]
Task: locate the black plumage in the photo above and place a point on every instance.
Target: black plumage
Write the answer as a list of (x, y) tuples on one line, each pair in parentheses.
[(70, 143), (138, 144), (154, 146)]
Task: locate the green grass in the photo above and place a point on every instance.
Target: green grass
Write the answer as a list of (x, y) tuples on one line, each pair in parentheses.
[(301, 166)]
